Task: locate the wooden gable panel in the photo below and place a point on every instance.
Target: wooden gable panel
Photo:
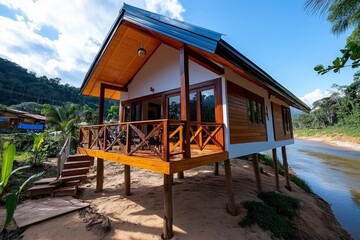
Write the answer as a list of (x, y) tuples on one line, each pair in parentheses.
[(241, 131)]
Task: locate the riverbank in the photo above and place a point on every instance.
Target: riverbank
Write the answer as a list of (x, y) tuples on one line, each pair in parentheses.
[(342, 141), (199, 207)]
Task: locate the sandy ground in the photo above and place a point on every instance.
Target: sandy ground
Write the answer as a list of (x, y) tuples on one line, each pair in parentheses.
[(199, 207), (343, 142)]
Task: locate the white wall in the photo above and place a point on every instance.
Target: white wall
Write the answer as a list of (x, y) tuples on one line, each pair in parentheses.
[(162, 72), (241, 149)]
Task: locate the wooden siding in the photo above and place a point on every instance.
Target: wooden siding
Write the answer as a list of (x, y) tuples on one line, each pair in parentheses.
[(280, 132), (241, 130)]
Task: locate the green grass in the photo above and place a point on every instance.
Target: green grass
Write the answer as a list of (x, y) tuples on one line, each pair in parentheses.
[(23, 156), (273, 214), (332, 131), (301, 183), (283, 205)]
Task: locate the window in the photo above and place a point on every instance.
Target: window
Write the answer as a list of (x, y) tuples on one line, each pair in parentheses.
[(207, 105), (255, 111), (174, 107), (193, 106), (286, 117)]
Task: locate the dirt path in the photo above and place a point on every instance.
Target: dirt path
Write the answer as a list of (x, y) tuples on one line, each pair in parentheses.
[(199, 207)]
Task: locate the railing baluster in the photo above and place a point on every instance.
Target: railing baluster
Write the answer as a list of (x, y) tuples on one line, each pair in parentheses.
[(166, 140), (128, 139), (90, 138)]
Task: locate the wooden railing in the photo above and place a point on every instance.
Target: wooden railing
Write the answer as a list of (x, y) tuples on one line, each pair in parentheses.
[(162, 138), (63, 155)]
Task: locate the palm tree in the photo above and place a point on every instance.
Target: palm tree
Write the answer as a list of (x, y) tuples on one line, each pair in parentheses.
[(342, 14), (62, 118)]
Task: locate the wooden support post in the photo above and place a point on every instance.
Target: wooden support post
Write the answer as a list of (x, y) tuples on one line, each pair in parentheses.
[(168, 208), (127, 179), (229, 188), (99, 174), (100, 161), (286, 167), (216, 169), (185, 100), (276, 168), (255, 161), (180, 175)]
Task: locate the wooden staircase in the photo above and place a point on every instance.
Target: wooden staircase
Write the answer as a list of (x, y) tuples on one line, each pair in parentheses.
[(75, 170)]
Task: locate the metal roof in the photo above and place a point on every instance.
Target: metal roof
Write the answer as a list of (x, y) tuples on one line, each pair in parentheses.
[(201, 38)]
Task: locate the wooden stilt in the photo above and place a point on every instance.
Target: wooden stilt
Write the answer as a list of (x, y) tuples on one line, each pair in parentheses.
[(168, 208), (127, 179), (216, 169), (257, 172), (276, 168), (99, 174), (286, 168), (180, 175), (230, 189)]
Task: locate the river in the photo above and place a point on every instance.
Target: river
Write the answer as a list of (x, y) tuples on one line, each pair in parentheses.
[(333, 173)]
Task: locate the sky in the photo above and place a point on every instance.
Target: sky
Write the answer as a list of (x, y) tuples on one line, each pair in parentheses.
[(61, 38)]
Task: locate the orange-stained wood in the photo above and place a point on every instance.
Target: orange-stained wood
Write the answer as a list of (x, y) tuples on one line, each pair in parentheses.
[(278, 123)]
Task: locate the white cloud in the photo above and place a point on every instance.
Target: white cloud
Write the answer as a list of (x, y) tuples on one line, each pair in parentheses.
[(80, 26), (315, 95)]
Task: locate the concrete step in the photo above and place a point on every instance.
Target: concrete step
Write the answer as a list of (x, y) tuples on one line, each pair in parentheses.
[(42, 189), (80, 157), (76, 164), (74, 171), (65, 191)]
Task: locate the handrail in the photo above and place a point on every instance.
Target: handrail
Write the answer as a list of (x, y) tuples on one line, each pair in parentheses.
[(163, 138), (63, 155)]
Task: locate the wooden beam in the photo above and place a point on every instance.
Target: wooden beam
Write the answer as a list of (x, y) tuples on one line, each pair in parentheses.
[(216, 169), (99, 174), (255, 161), (286, 168), (101, 104), (168, 208), (127, 180), (205, 62), (276, 168), (229, 188), (115, 88)]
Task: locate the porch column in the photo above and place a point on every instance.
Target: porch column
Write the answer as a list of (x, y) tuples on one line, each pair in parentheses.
[(168, 208), (276, 168), (184, 99), (286, 167), (100, 161), (229, 188), (255, 161)]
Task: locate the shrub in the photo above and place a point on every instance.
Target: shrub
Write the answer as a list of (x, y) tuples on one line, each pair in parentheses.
[(301, 183), (284, 205), (268, 219)]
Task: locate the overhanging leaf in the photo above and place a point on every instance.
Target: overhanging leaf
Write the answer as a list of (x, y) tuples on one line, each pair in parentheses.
[(10, 204)]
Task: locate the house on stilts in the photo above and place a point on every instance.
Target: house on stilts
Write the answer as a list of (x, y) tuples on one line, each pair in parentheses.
[(187, 98)]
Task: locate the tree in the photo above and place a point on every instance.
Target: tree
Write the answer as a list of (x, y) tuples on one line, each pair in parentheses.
[(113, 113), (342, 14), (62, 118)]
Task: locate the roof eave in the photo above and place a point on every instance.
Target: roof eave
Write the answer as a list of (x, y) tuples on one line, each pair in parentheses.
[(229, 53)]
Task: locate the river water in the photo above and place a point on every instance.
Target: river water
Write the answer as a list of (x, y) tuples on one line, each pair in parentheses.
[(334, 174)]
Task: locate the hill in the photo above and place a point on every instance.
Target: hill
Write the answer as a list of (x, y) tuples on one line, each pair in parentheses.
[(18, 85)]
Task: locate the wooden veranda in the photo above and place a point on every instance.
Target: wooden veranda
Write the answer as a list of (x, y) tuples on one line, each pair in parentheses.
[(156, 145)]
